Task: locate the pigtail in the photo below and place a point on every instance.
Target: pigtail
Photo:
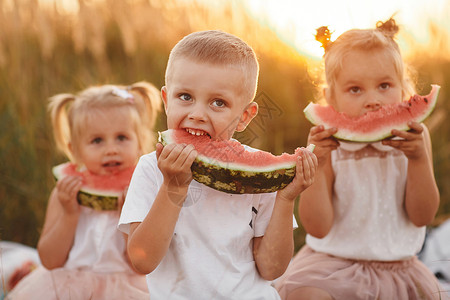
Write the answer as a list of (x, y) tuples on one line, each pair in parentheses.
[(60, 121), (388, 28), (151, 96), (152, 106), (323, 35)]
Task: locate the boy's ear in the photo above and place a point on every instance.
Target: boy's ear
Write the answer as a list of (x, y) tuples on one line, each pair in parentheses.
[(249, 113), (327, 96), (164, 97)]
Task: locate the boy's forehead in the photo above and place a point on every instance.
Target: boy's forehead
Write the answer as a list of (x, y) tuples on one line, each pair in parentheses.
[(182, 67)]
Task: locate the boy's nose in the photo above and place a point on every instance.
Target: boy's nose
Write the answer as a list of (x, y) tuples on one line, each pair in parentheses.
[(198, 114)]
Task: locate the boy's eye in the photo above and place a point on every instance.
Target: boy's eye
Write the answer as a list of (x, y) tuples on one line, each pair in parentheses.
[(185, 97), (218, 103), (354, 90), (96, 140), (385, 86)]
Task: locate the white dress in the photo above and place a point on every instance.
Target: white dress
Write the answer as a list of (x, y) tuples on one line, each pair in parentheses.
[(370, 252), (95, 269), (368, 200), (210, 254)]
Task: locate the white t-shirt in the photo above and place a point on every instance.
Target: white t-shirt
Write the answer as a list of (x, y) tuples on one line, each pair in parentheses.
[(370, 221), (210, 255)]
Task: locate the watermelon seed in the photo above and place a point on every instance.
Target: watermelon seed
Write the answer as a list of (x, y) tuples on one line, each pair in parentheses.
[(426, 100)]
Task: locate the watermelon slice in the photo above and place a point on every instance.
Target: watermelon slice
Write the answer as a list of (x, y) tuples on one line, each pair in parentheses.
[(228, 167), (375, 125), (97, 192)]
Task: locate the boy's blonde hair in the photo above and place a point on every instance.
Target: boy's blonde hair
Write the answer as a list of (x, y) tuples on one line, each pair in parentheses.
[(380, 38), (69, 112), (221, 48)]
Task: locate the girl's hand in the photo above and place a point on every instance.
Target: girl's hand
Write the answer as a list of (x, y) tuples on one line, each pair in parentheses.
[(67, 190), (412, 143), (324, 141), (174, 161), (306, 168)]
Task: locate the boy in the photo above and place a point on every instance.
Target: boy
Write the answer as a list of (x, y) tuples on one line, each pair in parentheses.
[(196, 242)]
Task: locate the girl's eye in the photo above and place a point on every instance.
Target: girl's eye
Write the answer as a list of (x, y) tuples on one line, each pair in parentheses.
[(354, 90), (218, 103), (96, 140), (385, 86), (122, 138), (185, 97)]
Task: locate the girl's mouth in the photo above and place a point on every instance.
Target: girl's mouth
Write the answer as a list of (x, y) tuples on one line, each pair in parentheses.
[(111, 164)]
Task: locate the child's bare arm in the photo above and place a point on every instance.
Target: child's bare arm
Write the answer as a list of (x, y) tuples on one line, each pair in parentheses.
[(315, 205), (274, 250), (60, 223), (422, 194), (148, 241)]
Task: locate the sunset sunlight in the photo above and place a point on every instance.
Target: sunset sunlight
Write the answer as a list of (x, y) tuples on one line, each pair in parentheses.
[(52, 52), (295, 21)]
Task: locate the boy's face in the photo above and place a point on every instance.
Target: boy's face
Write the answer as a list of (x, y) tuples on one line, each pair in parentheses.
[(204, 98)]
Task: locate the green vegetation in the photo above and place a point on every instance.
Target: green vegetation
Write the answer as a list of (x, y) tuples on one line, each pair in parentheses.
[(46, 51)]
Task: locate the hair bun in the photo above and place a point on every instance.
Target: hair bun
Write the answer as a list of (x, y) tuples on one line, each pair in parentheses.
[(323, 35), (388, 28)]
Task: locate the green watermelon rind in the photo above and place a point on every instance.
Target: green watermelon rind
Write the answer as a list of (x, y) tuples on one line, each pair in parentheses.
[(235, 178), (382, 133), (96, 199), (237, 181)]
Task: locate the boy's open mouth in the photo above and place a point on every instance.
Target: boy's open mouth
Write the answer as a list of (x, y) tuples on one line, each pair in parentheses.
[(197, 132)]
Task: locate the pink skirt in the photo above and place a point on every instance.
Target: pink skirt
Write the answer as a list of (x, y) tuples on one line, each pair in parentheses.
[(62, 284), (350, 279)]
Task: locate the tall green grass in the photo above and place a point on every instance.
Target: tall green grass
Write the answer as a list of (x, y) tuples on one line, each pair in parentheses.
[(45, 51)]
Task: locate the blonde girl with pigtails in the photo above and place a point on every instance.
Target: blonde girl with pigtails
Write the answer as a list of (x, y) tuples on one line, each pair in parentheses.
[(366, 212), (103, 130)]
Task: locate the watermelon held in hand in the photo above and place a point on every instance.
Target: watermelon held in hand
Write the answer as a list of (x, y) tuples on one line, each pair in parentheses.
[(375, 125), (228, 167), (97, 192)]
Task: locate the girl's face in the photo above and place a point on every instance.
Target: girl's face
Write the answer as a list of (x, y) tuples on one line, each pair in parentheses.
[(366, 81), (108, 142), (204, 98)]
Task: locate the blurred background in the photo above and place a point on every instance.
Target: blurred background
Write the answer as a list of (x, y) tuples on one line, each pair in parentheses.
[(56, 46)]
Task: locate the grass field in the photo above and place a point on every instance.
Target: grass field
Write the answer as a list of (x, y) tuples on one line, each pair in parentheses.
[(45, 51)]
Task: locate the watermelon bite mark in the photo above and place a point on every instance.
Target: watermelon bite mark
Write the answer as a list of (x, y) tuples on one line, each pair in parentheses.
[(376, 125), (228, 167), (97, 192)]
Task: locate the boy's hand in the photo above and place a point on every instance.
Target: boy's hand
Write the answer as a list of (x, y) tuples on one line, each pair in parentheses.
[(68, 188), (174, 161), (324, 141), (412, 143), (306, 168)]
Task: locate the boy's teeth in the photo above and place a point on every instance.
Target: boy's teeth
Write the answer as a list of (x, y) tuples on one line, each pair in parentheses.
[(196, 132)]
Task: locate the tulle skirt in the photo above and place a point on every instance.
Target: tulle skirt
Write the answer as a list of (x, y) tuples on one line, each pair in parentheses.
[(349, 279), (62, 284)]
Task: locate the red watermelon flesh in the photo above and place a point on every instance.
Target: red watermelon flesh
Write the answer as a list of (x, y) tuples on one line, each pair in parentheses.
[(228, 167), (98, 192), (231, 152), (375, 125)]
